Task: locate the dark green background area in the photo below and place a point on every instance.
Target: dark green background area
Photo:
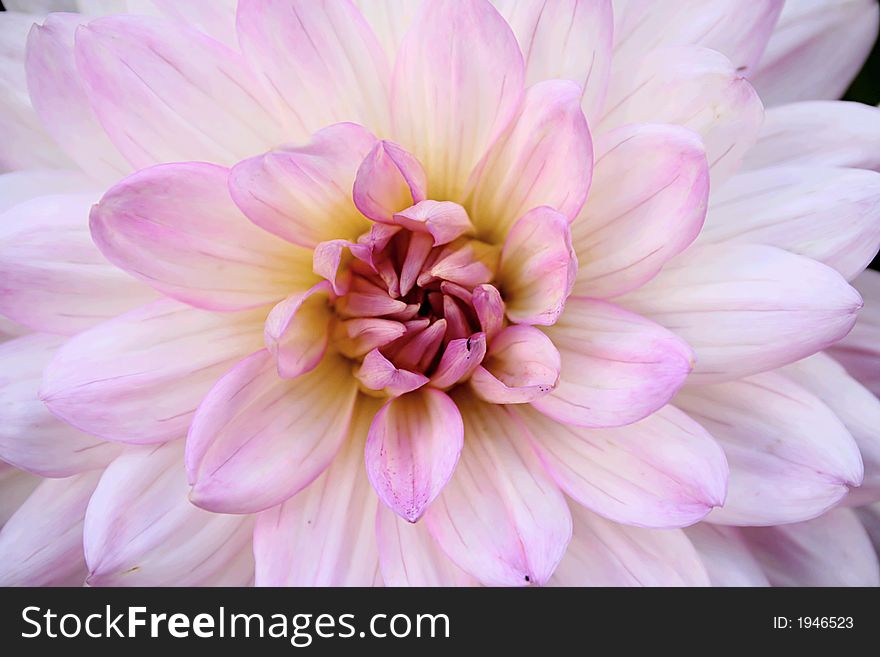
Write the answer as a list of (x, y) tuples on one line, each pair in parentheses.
[(866, 87)]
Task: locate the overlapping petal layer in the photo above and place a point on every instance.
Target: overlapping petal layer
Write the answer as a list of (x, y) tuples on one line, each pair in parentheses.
[(403, 292)]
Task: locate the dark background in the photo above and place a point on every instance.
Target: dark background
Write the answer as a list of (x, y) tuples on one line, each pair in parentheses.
[(864, 89)]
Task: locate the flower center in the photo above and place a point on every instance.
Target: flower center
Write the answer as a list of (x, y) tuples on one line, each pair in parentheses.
[(413, 300)]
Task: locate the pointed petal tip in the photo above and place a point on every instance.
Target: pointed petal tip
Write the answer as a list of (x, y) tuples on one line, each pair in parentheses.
[(208, 495), (203, 494), (414, 515)]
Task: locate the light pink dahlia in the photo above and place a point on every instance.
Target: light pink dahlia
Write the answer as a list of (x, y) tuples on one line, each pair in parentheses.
[(313, 292)]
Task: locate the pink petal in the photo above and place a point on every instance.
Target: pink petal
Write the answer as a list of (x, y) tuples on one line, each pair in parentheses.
[(141, 530), (417, 252), (357, 337), (490, 309), (378, 373), (822, 132), (41, 543), (604, 553), (324, 535), (321, 58), (138, 378), (469, 265), (25, 142), (617, 367), (443, 220), (832, 550), (213, 17), (859, 351), (586, 60), (538, 267), (816, 50), (722, 25), (694, 87), (388, 180), (500, 518), (303, 194), (457, 322), (409, 555), (175, 227), (726, 555), (31, 438), (60, 99), (790, 457), (52, 278), (371, 303), (663, 471), (457, 83), (165, 92), (748, 308), (329, 261), (296, 331), (419, 351), (412, 449), (460, 358), (257, 439), (855, 406), (522, 365), (828, 214), (545, 158), (648, 202)]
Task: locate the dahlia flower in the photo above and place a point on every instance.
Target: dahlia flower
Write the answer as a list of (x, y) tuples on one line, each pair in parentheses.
[(320, 292)]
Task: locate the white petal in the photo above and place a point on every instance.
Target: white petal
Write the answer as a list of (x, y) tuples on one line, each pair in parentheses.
[(822, 132), (52, 277), (790, 457), (828, 214), (322, 59), (748, 308), (500, 518), (741, 33), (25, 142), (324, 535), (816, 49), (61, 101), (857, 408), (139, 377), (142, 530), (662, 472), (257, 439), (19, 186), (166, 92), (859, 351), (726, 555), (42, 543), (545, 30), (457, 83), (832, 550), (604, 553), (694, 87), (32, 438), (410, 556)]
